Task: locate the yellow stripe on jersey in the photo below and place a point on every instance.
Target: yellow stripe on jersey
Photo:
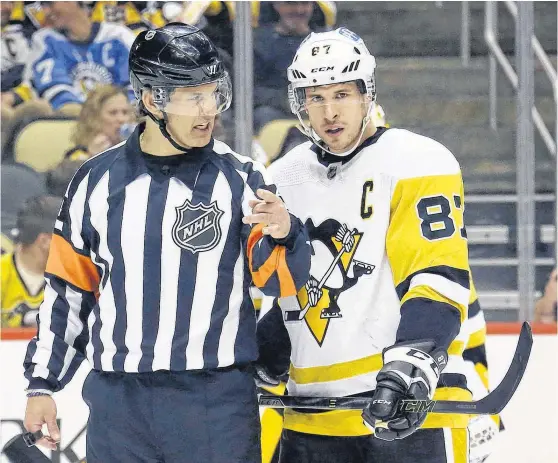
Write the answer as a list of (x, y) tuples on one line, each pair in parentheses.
[(430, 293), (349, 422), (456, 348), (483, 374), (335, 423), (272, 427), (449, 420), (335, 372), (478, 338), (350, 369), (460, 445), (430, 238)]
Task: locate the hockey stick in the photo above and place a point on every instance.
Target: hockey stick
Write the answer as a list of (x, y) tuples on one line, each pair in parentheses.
[(492, 404), (297, 315)]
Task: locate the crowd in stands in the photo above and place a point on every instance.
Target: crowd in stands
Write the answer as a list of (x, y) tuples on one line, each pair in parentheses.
[(67, 63), (66, 96)]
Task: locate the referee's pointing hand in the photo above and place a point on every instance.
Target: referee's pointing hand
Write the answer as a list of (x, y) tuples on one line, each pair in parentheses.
[(271, 212)]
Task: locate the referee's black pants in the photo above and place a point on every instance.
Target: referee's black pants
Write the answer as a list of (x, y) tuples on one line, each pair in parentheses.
[(206, 416)]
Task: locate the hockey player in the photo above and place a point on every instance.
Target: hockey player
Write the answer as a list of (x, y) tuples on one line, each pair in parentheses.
[(389, 286), (22, 272), (148, 274)]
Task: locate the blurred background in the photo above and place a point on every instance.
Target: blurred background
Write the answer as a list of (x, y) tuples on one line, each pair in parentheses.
[(480, 77)]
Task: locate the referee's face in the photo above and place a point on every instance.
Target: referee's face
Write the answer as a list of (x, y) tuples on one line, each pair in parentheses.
[(192, 115)]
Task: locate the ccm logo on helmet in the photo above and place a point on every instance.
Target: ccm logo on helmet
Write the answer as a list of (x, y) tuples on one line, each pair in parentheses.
[(325, 68)]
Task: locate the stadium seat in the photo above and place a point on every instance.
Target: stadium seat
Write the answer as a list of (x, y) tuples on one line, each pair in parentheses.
[(272, 135), (42, 143), (19, 183)]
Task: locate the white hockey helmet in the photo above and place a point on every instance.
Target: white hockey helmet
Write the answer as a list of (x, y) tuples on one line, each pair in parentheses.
[(331, 58)]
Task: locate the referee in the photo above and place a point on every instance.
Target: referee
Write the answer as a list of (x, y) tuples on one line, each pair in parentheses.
[(156, 245)]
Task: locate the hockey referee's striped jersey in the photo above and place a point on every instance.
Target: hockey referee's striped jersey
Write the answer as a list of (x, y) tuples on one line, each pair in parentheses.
[(150, 265)]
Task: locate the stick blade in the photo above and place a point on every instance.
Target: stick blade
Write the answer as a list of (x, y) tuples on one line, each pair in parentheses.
[(499, 397)]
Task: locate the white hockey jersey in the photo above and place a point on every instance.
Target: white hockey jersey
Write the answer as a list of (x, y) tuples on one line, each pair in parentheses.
[(15, 52), (386, 228)]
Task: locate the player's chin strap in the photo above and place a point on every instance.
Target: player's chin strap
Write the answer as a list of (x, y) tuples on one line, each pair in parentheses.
[(310, 133), (162, 123)]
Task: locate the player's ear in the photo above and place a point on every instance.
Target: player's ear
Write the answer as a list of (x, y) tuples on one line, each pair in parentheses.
[(147, 100)]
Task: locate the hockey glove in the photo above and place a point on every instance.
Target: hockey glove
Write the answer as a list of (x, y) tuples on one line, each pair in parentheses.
[(411, 371)]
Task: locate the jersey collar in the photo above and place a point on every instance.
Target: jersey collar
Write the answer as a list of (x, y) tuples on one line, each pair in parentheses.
[(142, 163)]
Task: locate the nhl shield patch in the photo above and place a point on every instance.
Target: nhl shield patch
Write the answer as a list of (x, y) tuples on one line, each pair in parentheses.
[(197, 228)]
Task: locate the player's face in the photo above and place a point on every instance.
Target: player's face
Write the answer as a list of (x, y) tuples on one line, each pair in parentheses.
[(115, 112), (192, 114), (60, 14), (336, 112), (294, 16), (6, 12)]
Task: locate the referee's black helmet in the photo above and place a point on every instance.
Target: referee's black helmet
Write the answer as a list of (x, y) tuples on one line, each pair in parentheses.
[(174, 56)]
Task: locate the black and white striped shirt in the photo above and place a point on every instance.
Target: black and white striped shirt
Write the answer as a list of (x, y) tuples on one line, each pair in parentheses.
[(150, 265)]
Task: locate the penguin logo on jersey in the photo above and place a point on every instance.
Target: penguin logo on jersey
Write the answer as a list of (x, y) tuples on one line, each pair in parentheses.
[(333, 249), (87, 76), (197, 228)]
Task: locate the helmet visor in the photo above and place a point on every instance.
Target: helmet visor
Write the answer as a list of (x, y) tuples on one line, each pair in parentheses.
[(203, 100)]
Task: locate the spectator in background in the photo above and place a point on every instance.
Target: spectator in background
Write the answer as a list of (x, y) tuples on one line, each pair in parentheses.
[(23, 270), (15, 46), (224, 131), (105, 119), (58, 179), (274, 48), (127, 14), (545, 308), (16, 35), (76, 55)]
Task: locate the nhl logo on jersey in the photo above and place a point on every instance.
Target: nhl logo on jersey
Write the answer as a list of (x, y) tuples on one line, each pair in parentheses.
[(197, 228)]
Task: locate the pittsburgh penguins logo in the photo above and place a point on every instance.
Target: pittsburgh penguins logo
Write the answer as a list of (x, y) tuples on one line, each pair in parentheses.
[(318, 300)]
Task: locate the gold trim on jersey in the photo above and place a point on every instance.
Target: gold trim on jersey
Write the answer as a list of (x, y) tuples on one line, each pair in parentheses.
[(272, 427), (430, 293), (456, 348), (335, 372), (334, 423), (478, 338), (350, 369), (460, 445), (482, 371)]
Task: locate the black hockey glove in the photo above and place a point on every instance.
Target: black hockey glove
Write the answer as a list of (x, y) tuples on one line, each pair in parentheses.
[(411, 371)]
